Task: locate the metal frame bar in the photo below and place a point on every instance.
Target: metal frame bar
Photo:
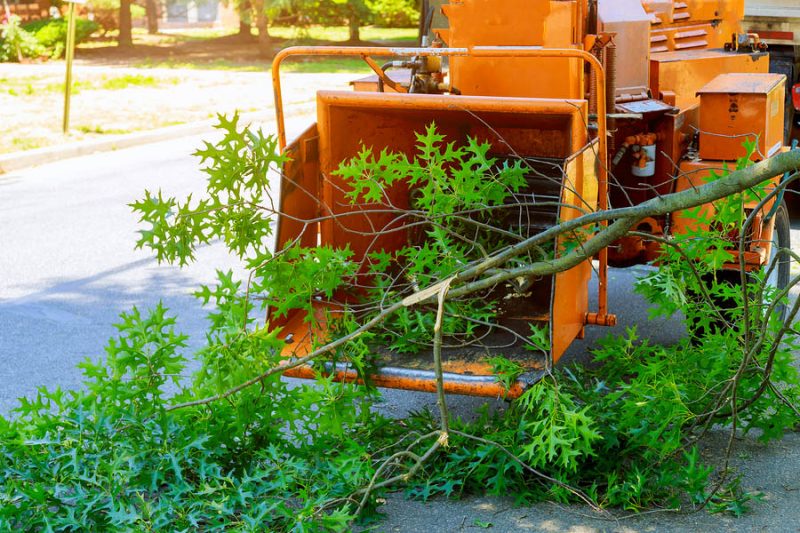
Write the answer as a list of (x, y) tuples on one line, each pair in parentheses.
[(422, 380)]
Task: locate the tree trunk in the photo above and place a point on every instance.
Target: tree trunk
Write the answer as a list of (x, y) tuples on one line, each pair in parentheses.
[(245, 19), (262, 25), (125, 36), (152, 16), (354, 23)]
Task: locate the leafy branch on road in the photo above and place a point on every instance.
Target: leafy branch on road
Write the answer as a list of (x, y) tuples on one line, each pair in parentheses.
[(238, 448)]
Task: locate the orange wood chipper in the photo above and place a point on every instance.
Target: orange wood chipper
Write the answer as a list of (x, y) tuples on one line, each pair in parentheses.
[(612, 101)]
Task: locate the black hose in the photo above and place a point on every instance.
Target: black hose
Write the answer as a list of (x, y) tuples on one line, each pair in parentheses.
[(425, 21), (591, 22), (386, 66), (421, 25)]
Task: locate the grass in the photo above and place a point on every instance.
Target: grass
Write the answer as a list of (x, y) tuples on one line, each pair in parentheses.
[(27, 90), (43, 91), (327, 65), (58, 87), (333, 65), (199, 64), (100, 130), (164, 38), (20, 85), (296, 35), (28, 143), (115, 83), (341, 33), (35, 86), (243, 57), (134, 80), (196, 34)]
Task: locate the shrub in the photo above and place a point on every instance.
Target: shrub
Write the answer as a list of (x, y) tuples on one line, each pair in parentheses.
[(238, 449), (52, 33), (16, 43), (106, 13), (395, 13)]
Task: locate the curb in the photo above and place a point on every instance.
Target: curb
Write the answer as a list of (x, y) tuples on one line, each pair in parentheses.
[(50, 154)]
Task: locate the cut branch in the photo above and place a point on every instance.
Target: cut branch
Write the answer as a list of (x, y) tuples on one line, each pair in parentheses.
[(624, 219)]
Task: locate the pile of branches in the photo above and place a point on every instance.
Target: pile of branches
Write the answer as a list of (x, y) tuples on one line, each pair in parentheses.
[(238, 448)]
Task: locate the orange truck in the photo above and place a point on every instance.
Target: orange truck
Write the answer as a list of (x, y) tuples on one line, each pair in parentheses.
[(610, 102)]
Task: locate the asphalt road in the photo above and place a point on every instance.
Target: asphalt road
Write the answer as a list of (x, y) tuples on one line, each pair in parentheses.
[(68, 268)]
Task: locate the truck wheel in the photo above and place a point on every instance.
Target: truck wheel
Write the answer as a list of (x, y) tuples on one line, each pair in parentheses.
[(781, 240)]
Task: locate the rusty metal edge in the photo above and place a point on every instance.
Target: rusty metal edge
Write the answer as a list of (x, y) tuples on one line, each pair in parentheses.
[(422, 380)]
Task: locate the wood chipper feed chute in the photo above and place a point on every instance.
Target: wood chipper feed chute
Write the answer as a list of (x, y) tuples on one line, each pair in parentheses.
[(550, 136)]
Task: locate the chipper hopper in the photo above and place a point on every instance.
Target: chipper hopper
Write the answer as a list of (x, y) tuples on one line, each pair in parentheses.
[(607, 102)]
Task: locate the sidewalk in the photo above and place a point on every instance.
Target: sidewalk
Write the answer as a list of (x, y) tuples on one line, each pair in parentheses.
[(41, 156), (114, 107)]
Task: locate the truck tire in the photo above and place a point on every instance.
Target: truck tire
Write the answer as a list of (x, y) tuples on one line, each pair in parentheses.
[(781, 240)]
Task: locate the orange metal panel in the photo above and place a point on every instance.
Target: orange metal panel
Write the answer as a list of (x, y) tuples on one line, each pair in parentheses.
[(696, 37), (570, 290), (697, 172), (497, 23), (736, 107), (630, 25), (547, 23), (299, 196), (743, 83), (599, 88), (731, 10), (554, 77), (684, 73), (674, 133), (546, 128), (693, 24)]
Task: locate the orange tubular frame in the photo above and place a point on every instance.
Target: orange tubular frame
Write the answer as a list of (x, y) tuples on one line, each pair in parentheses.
[(601, 317)]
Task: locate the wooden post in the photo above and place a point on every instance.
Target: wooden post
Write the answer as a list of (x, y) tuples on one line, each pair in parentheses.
[(69, 55)]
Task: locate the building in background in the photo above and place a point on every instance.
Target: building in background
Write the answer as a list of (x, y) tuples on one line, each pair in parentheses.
[(777, 22), (27, 10), (199, 13)]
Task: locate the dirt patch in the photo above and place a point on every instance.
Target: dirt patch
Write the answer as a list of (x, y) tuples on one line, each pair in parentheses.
[(163, 80), (238, 52), (233, 48), (111, 101)]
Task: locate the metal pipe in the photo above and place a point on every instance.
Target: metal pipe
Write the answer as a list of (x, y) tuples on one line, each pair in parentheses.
[(479, 51), (422, 380), (436, 102)]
